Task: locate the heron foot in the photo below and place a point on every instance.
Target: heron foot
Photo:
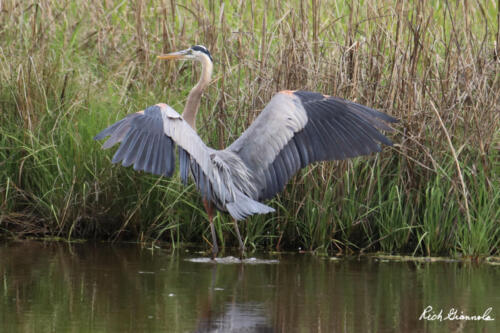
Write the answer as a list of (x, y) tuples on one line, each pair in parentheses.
[(215, 250), (238, 235), (242, 251)]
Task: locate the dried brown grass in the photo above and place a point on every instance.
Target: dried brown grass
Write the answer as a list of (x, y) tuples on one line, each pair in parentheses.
[(434, 65)]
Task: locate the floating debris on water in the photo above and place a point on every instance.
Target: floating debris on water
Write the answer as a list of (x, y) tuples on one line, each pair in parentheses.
[(387, 258), (493, 261), (234, 260)]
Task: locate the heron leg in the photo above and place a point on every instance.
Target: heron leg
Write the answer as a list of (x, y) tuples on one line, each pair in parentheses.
[(242, 246), (210, 212)]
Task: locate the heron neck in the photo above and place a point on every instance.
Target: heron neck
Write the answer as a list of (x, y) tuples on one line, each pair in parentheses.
[(194, 97)]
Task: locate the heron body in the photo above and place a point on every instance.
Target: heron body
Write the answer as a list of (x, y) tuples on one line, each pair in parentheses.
[(295, 129)]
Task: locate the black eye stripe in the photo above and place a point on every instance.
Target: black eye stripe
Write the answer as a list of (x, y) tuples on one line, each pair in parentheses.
[(201, 49)]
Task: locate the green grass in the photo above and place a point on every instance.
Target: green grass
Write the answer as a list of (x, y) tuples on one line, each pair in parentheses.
[(69, 70)]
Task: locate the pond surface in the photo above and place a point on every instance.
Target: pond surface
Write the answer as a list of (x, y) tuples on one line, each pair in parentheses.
[(52, 287)]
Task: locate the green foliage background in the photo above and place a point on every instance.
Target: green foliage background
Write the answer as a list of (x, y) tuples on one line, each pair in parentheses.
[(70, 68)]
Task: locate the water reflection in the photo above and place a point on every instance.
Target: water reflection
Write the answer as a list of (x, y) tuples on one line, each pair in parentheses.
[(232, 316), (104, 288)]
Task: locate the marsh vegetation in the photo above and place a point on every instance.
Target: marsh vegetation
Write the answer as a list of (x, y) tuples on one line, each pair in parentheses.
[(70, 68)]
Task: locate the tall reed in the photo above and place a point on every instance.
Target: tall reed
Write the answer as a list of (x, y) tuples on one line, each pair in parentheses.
[(69, 69)]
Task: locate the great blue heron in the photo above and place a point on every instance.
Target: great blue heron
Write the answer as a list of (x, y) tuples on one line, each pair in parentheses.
[(296, 128)]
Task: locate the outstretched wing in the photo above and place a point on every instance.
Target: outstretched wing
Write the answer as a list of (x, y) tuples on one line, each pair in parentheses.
[(148, 139), (297, 128)]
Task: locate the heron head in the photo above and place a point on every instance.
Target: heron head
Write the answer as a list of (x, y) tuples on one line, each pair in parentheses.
[(195, 52)]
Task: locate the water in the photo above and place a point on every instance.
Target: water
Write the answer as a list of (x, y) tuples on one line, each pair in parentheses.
[(50, 287)]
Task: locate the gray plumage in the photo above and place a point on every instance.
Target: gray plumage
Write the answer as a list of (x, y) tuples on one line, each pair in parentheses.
[(148, 142), (294, 130)]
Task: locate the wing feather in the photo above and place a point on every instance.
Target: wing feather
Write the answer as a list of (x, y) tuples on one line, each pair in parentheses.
[(164, 144), (120, 153), (131, 154), (151, 160), (305, 149), (142, 153)]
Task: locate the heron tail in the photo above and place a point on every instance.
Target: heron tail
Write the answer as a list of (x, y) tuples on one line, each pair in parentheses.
[(243, 206)]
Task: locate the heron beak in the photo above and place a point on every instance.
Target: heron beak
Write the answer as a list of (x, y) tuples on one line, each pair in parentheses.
[(174, 55)]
